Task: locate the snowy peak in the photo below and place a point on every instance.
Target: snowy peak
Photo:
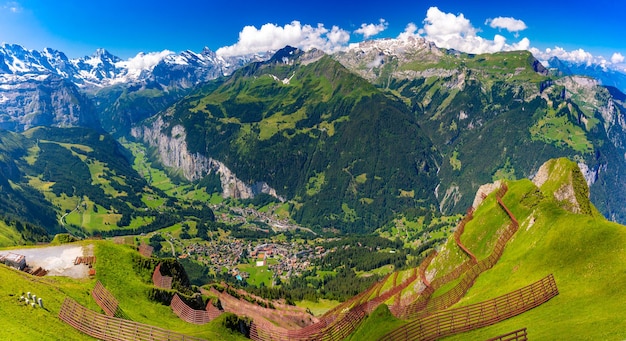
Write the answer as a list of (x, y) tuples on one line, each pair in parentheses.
[(17, 60), (104, 55), (606, 76), (103, 69)]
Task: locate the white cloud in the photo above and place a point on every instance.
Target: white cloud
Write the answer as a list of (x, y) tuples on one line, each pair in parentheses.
[(577, 56), (144, 61), (337, 37), (274, 37), (409, 31), (507, 23), (456, 32), (447, 26), (617, 58), (368, 30)]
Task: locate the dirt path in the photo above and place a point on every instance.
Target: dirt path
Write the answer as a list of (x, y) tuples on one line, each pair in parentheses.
[(58, 260)]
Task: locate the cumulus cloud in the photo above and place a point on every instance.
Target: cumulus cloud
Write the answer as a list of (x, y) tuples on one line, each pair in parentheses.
[(617, 58), (452, 31), (369, 30), (274, 37), (507, 23), (143, 61), (446, 26), (410, 31), (579, 56)]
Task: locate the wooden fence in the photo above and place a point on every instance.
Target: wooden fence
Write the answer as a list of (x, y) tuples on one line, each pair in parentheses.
[(110, 328), (106, 301), (188, 314), (412, 309), (356, 300), (335, 326), (159, 280), (459, 231), (472, 269), (337, 329), (517, 335), (464, 319)]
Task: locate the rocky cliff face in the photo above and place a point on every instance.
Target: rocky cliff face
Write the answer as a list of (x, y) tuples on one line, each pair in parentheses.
[(46, 100), (174, 153)]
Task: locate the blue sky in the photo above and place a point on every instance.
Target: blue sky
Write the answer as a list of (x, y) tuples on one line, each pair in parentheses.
[(131, 26)]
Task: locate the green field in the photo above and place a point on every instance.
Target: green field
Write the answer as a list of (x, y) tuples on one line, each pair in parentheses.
[(585, 252), (116, 271), (320, 307)]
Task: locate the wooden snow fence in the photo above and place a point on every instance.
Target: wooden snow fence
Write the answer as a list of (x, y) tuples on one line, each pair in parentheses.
[(111, 328)]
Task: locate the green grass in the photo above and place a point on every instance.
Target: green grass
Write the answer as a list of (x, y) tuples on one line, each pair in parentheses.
[(115, 270), (585, 252), (560, 131), (258, 274), (26, 323), (315, 183), (279, 122), (381, 271), (481, 233), (9, 235), (587, 257), (377, 324), (320, 307)]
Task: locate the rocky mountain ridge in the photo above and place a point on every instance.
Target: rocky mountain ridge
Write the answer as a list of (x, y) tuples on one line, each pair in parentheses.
[(459, 100), (44, 100), (103, 69), (605, 75), (462, 99)]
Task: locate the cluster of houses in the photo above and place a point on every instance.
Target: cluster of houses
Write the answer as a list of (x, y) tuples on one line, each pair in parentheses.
[(292, 259), (239, 215), (217, 255), (283, 259)]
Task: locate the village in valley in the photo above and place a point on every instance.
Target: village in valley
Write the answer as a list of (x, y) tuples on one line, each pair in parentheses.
[(267, 258)]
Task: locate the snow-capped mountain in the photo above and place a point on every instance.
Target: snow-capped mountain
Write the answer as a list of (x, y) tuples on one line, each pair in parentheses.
[(104, 69), (102, 90), (606, 76)]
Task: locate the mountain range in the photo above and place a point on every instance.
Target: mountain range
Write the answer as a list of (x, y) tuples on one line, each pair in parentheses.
[(104, 69), (350, 140), (397, 137)]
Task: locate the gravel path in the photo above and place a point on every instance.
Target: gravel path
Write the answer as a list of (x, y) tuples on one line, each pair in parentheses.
[(58, 260)]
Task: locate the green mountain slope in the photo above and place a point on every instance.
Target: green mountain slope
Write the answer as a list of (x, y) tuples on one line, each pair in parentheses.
[(81, 181), (500, 116), (348, 155), (583, 251), (560, 233), (122, 271)]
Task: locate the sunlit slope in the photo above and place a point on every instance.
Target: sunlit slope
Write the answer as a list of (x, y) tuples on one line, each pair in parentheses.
[(560, 233), (585, 253), (122, 271)]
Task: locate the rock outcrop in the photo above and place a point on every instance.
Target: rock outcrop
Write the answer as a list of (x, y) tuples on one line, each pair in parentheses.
[(174, 153), (45, 100), (564, 180)]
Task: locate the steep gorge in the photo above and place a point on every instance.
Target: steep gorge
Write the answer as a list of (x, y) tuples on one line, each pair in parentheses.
[(173, 152)]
